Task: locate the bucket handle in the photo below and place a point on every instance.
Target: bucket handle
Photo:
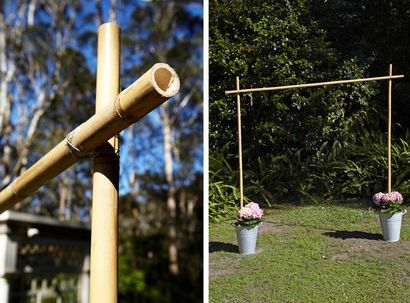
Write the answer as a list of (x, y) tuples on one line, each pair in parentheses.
[(404, 212)]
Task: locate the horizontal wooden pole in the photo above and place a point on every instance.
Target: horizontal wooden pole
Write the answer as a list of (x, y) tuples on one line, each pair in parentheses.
[(306, 85), (153, 88)]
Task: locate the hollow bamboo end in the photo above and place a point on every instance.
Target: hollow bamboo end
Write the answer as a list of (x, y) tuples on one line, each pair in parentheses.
[(165, 80)]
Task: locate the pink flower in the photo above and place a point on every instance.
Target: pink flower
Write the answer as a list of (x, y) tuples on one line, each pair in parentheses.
[(250, 211), (384, 198), (377, 198), (393, 196), (245, 212)]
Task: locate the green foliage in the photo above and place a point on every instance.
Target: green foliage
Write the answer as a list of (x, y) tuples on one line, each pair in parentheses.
[(392, 208), (247, 222), (356, 169), (223, 194), (352, 170), (380, 30), (302, 145), (143, 245), (132, 280), (222, 200), (268, 44)]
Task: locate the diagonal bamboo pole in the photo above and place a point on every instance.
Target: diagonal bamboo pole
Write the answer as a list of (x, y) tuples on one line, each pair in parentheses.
[(307, 85), (104, 223), (238, 107), (153, 88), (389, 131)]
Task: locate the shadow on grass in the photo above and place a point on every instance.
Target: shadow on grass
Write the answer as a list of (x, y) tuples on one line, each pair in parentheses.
[(215, 246), (344, 234)]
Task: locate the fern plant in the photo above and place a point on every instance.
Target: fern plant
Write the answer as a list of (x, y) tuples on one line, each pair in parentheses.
[(223, 193)]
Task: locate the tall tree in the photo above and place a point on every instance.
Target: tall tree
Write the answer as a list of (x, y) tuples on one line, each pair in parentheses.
[(168, 32), (37, 48)]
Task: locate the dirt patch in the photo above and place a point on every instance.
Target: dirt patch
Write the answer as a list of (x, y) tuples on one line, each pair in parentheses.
[(221, 266), (272, 227), (348, 245), (228, 264)]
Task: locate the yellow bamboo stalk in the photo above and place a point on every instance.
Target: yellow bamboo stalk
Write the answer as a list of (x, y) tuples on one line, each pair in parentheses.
[(153, 88), (389, 131), (104, 223), (307, 85), (238, 107)]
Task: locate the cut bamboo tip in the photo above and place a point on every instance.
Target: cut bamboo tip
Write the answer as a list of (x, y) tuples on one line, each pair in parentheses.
[(152, 89), (165, 80)]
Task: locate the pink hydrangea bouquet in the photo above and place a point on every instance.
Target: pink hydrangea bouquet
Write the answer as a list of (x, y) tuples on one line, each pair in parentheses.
[(388, 203), (249, 215)]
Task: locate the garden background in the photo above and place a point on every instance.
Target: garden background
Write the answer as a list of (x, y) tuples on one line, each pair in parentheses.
[(313, 158), (310, 145)]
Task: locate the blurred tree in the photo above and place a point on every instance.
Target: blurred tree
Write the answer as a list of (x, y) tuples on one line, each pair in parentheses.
[(167, 32), (43, 79), (144, 261)]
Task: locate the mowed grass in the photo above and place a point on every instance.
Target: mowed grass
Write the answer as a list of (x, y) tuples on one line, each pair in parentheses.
[(330, 253)]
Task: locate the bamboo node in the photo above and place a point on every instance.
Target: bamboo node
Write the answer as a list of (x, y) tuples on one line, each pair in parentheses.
[(122, 113), (78, 151), (118, 109)]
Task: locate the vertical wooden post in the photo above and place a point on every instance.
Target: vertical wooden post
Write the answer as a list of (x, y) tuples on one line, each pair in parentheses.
[(389, 132), (104, 233), (238, 106)]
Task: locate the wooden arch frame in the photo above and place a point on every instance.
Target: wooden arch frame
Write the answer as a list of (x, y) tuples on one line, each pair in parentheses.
[(239, 91)]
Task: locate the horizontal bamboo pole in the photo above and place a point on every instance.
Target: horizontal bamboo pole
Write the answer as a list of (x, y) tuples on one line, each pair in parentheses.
[(306, 85), (153, 88)]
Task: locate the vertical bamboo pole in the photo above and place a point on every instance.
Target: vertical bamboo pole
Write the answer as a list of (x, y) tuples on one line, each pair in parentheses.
[(389, 132), (238, 106), (104, 233)]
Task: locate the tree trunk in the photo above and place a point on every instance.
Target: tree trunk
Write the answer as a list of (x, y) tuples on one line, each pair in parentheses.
[(171, 204), (63, 197), (112, 12), (99, 14), (4, 100)]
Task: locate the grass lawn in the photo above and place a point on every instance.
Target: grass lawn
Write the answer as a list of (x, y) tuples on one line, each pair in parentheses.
[(328, 253)]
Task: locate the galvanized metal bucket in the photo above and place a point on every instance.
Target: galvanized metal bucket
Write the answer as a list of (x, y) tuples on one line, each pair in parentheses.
[(247, 236), (391, 225)]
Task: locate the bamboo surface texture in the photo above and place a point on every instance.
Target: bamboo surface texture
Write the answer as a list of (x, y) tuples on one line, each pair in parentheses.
[(307, 85), (389, 120), (153, 88), (238, 107), (104, 223)]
